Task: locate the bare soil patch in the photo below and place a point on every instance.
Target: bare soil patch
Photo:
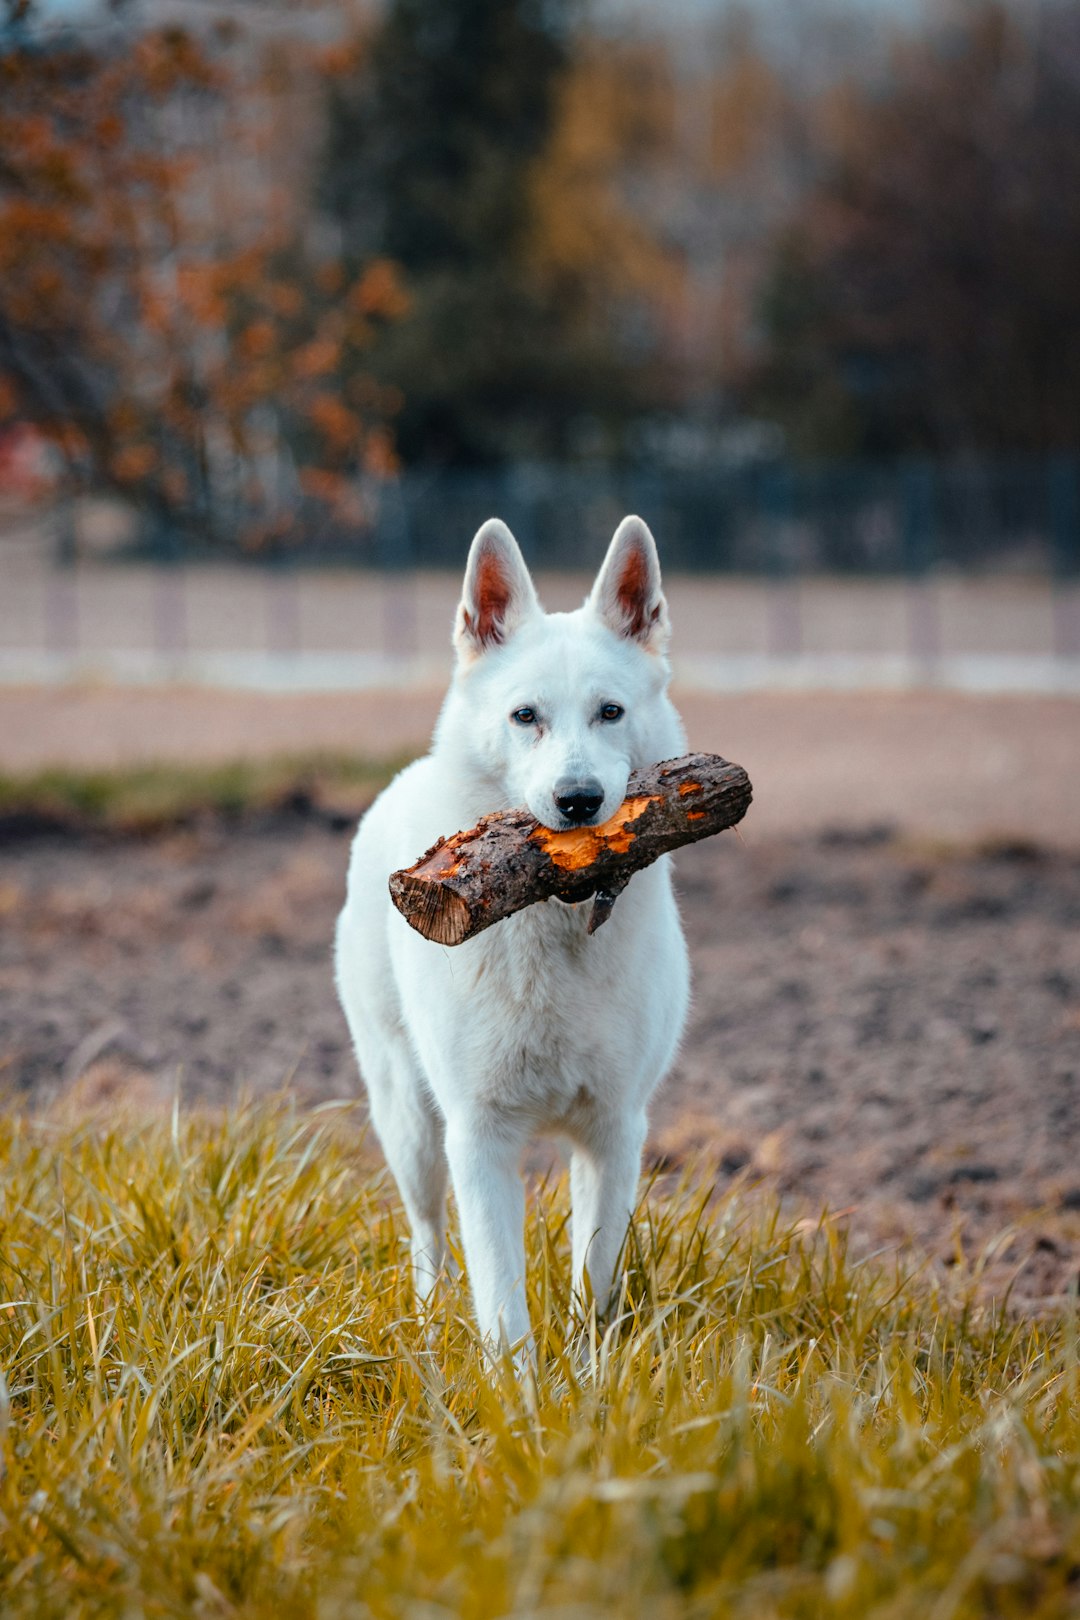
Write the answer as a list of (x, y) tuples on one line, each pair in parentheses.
[(935, 763), (886, 1028)]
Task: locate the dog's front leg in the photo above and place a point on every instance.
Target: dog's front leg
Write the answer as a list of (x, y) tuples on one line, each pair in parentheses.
[(484, 1170), (604, 1171)]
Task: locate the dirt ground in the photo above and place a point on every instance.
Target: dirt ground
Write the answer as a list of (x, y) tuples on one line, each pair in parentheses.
[(884, 1025), (887, 963), (939, 765)]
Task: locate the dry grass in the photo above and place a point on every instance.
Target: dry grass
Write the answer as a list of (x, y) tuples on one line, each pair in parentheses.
[(151, 798), (218, 1400)]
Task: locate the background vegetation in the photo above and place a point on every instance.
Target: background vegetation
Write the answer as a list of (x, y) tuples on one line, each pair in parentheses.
[(155, 798), (254, 263)]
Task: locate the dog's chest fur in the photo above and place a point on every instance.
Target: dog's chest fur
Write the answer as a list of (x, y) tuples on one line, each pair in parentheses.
[(549, 1014)]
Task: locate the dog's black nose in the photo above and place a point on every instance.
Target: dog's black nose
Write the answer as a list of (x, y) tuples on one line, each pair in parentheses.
[(578, 801)]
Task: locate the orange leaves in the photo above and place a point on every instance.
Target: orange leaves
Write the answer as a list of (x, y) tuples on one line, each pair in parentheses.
[(322, 485), (123, 419), (379, 291), (169, 58), (341, 429), (24, 221), (9, 398), (109, 130), (336, 492), (342, 61), (330, 278), (173, 332), (613, 105), (380, 454), (198, 288), (131, 463), (318, 358), (285, 298), (36, 135), (749, 105), (257, 341)]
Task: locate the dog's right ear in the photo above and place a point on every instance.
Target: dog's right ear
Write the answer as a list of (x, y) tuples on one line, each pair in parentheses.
[(498, 593)]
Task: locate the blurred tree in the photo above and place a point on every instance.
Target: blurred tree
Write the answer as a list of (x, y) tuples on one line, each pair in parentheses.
[(610, 280), (450, 151), (170, 356), (928, 295)]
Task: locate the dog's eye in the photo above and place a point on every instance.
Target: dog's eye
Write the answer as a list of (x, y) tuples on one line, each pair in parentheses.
[(612, 711), (524, 717)]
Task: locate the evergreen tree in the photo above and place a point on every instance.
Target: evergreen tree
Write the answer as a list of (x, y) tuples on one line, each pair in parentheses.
[(432, 145)]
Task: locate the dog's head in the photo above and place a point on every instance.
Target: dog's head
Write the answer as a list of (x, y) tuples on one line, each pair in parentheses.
[(557, 709)]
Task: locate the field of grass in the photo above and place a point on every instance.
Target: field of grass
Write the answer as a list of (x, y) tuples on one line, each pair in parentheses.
[(218, 1400)]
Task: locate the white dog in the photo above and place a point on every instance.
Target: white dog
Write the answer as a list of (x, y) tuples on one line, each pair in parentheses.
[(534, 1027)]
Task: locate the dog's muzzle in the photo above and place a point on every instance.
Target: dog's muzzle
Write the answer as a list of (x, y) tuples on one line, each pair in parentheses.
[(578, 801)]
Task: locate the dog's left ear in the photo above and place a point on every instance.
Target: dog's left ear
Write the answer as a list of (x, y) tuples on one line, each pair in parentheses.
[(498, 592), (627, 594)]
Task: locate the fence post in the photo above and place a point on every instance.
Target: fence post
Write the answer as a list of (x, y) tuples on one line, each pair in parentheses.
[(1063, 479), (784, 629), (920, 553), (394, 546), (282, 608), (61, 606), (170, 610), (170, 593)]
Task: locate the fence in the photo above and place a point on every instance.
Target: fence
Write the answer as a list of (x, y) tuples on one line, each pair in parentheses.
[(774, 519), (965, 573)]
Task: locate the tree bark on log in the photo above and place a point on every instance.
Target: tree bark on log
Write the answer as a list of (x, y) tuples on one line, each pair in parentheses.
[(509, 860)]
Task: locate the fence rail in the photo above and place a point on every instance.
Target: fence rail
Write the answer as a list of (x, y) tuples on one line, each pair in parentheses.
[(774, 519), (966, 575)]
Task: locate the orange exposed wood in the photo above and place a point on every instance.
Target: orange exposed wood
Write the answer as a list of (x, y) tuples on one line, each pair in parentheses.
[(469, 881), (581, 846)]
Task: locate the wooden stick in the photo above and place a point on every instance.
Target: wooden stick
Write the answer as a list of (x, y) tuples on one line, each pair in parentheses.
[(509, 860)]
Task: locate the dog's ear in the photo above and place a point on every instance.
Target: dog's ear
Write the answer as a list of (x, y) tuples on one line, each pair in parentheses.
[(498, 593), (627, 594)]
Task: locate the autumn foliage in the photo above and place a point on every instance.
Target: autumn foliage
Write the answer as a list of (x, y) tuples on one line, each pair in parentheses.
[(204, 362), (926, 294), (486, 234)]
